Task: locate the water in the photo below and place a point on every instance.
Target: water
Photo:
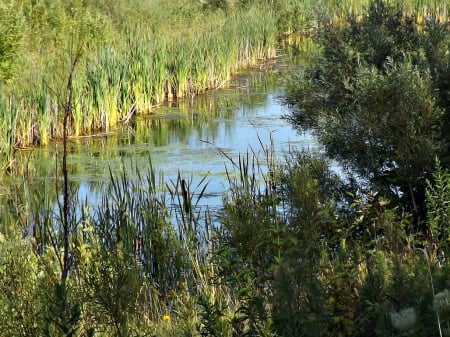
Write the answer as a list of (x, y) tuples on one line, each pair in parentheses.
[(189, 137)]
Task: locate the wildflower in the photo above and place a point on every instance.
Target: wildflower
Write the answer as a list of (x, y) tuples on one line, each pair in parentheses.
[(404, 320), (166, 317), (441, 301)]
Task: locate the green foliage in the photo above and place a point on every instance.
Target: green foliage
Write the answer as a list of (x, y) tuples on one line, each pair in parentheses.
[(129, 255), (436, 42), (438, 206), (19, 278), (135, 55), (390, 135), (111, 283), (371, 309), (11, 35), (295, 251), (248, 287), (62, 316), (318, 264), (371, 95), (213, 318)]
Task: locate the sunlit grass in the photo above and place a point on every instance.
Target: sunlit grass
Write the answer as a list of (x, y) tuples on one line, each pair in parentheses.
[(131, 64)]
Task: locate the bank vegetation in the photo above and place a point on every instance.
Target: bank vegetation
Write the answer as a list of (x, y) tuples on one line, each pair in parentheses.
[(296, 249)]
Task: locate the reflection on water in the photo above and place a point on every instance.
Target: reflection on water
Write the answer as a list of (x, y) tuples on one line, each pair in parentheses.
[(184, 137)]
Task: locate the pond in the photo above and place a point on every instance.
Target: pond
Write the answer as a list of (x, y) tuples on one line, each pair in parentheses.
[(190, 137)]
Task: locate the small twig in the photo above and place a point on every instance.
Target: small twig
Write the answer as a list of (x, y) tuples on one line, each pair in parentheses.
[(130, 113), (220, 85), (67, 262)]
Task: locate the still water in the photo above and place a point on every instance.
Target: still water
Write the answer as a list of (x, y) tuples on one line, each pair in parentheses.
[(188, 137)]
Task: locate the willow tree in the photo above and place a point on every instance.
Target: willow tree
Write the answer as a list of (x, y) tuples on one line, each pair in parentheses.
[(374, 99)]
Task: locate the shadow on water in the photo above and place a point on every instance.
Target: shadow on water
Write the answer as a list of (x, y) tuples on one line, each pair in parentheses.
[(186, 138)]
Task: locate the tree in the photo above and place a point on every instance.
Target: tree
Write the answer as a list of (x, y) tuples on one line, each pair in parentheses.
[(371, 97)]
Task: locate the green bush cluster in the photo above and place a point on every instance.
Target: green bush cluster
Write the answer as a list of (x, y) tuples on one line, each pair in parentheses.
[(376, 95)]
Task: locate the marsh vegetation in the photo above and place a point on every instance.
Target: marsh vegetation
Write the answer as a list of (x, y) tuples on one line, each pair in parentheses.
[(295, 248)]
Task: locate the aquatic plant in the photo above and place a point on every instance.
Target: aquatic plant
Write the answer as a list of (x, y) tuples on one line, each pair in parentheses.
[(129, 63)]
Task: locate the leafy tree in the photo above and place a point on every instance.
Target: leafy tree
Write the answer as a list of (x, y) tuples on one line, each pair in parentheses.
[(436, 44), (374, 98)]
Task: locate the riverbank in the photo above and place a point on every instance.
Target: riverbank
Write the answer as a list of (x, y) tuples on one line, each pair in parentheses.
[(130, 56)]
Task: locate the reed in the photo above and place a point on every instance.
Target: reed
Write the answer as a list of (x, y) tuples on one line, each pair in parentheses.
[(8, 115), (130, 63)]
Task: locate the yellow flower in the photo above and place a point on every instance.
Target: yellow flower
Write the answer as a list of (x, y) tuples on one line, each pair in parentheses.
[(166, 317)]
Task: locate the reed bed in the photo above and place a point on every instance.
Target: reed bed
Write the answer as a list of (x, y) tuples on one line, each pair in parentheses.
[(146, 64), (282, 261)]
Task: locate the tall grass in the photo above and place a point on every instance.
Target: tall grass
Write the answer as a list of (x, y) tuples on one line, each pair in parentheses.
[(141, 259), (280, 260), (130, 64)]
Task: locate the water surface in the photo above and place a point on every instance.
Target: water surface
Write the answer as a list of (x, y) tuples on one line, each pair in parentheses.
[(188, 137)]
